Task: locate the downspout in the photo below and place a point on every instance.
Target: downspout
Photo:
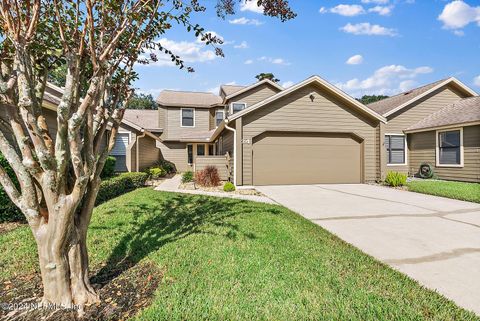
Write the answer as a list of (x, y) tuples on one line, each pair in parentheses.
[(137, 151), (234, 151)]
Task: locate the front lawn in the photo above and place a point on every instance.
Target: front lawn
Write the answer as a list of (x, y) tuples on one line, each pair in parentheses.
[(225, 259), (456, 190)]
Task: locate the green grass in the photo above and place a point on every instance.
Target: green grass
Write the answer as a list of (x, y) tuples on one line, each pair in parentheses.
[(456, 190), (226, 259)]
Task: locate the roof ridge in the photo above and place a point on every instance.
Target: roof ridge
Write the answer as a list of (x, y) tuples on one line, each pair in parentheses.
[(190, 91), (408, 91)]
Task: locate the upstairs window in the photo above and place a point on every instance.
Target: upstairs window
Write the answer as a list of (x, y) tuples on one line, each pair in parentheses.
[(236, 107), (449, 148), (219, 115), (188, 117), (395, 145)]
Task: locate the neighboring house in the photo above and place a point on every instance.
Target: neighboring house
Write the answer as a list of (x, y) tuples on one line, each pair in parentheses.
[(310, 133), (438, 124), (190, 119)]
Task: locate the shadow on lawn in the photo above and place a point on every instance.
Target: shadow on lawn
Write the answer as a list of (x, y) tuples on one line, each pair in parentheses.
[(169, 219)]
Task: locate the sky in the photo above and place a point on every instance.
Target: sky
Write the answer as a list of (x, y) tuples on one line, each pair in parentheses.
[(361, 46)]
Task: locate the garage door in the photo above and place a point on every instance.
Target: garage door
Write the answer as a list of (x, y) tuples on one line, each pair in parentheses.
[(282, 158), (119, 151)]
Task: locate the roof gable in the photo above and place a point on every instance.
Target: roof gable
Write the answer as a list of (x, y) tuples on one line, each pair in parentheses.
[(463, 111), (391, 105), (253, 86), (312, 80)]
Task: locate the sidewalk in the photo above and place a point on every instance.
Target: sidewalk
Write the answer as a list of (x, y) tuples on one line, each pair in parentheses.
[(172, 184)]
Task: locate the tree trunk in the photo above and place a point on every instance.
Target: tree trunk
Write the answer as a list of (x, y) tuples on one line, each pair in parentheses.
[(64, 265)]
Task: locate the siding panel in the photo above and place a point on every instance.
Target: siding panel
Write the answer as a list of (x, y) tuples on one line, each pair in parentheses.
[(423, 149), (400, 121), (297, 112), (255, 95)]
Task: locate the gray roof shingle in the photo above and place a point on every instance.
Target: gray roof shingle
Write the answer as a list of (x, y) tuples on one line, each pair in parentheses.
[(147, 119), (463, 111), (188, 99), (384, 106)]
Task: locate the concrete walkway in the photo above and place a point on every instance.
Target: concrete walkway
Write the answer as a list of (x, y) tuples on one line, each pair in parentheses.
[(172, 184), (434, 240)]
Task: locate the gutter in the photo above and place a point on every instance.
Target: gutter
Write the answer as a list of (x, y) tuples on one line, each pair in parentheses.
[(234, 151), (137, 151)]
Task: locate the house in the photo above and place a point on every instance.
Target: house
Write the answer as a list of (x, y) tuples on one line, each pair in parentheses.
[(438, 124), (309, 133)]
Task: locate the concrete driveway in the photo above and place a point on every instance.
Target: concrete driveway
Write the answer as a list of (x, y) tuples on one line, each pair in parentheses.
[(434, 240)]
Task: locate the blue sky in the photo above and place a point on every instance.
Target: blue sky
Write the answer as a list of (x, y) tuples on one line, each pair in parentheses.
[(362, 46)]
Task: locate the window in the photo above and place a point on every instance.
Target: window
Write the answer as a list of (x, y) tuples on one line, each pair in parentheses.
[(395, 145), (190, 154), (188, 117), (200, 150), (449, 148), (211, 149), (218, 117), (236, 107)]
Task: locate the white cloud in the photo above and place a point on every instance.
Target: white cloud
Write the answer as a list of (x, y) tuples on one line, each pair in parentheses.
[(251, 6), (287, 84), (459, 33), (276, 61), (388, 80), (457, 14), (188, 51), (153, 91), (476, 81), (348, 10), (215, 90), (245, 21), (375, 1), (248, 62), (242, 45), (366, 28), (382, 10), (355, 60)]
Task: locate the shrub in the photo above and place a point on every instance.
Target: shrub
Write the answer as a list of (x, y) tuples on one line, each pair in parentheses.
[(169, 167), (187, 177), (9, 212), (156, 172), (109, 167), (396, 179), (208, 177), (120, 184), (229, 187)]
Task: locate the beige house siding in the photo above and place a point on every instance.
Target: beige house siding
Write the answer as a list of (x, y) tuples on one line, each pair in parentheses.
[(220, 162), (255, 95), (423, 149), (411, 115), (297, 113), (176, 153), (148, 152), (162, 120), (173, 126)]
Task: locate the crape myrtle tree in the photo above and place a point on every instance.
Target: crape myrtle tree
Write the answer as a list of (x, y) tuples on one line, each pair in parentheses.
[(97, 43)]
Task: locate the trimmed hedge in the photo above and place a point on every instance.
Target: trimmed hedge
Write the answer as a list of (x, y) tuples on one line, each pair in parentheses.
[(8, 211), (109, 167), (109, 188), (121, 184)]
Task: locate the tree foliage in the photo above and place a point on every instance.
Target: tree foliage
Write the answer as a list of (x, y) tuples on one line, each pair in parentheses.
[(96, 45), (267, 75), (368, 99), (142, 101)]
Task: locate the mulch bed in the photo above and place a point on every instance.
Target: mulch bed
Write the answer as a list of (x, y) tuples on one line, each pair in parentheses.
[(123, 291)]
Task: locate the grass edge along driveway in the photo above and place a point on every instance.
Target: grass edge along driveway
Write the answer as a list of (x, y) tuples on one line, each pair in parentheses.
[(450, 189), (232, 259)]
